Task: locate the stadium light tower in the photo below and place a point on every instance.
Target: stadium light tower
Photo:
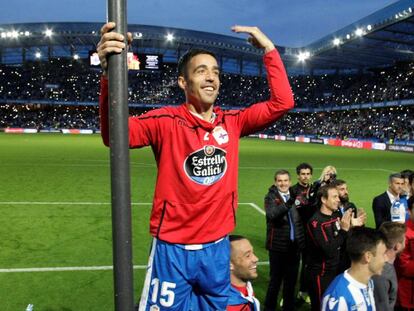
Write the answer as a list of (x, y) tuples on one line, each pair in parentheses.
[(302, 56), (169, 37), (38, 54), (48, 33), (359, 32), (336, 41)]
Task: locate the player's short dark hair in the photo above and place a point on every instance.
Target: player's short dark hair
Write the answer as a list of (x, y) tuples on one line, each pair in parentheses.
[(394, 232), (281, 172), (361, 240), (186, 58), (338, 182), (236, 237), (408, 174), (304, 166)]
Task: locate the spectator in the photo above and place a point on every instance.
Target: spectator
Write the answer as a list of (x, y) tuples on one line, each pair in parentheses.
[(284, 241)]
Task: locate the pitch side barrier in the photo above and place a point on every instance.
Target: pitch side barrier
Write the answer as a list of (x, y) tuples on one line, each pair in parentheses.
[(349, 143)]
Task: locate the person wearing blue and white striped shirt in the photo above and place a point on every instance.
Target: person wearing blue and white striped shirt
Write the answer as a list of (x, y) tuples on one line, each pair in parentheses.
[(354, 289)]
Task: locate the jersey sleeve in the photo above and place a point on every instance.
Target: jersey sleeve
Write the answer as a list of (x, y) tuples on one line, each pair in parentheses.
[(261, 115), (333, 303)]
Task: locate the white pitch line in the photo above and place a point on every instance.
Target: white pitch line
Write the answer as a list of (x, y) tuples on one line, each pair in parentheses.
[(257, 208), (92, 268), (86, 268)]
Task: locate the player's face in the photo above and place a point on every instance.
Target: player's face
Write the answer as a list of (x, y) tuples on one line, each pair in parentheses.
[(396, 185), (343, 192), (243, 260), (283, 183), (201, 85), (378, 259), (304, 176), (332, 202)]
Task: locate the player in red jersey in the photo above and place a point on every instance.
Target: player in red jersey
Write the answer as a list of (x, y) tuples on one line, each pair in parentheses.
[(196, 147)]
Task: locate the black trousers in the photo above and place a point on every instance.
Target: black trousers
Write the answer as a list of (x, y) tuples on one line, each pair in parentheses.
[(284, 268), (317, 284)]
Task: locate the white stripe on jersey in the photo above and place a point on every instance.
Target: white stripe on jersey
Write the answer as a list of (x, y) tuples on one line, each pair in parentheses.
[(146, 288)]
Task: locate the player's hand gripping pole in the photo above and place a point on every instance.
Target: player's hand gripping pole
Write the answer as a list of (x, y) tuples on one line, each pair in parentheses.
[(120, 178)]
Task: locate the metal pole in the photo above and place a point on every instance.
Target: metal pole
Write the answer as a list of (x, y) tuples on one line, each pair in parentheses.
[(120, 178)]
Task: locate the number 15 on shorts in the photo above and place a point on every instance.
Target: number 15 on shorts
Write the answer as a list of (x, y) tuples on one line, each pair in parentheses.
[(165, 297)]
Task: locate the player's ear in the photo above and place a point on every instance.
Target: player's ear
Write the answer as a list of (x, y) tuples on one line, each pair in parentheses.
[(182, 83)]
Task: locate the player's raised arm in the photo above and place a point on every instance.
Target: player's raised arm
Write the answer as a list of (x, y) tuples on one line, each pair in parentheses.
[(257, 37)]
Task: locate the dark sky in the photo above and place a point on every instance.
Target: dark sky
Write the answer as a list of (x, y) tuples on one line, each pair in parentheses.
[(290, 23)]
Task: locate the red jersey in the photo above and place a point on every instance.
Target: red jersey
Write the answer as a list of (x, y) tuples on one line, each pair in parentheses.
[(195, 197)]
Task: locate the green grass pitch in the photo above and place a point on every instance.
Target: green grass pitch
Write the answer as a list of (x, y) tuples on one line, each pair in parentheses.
[(46, 177)]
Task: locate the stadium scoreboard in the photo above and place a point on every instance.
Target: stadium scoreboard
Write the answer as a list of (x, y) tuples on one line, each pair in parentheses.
[(135, 61)]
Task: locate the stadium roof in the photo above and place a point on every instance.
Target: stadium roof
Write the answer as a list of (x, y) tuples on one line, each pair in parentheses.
[(380, 39)]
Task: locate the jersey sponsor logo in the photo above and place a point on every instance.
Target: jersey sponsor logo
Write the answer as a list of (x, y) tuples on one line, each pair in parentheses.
[(332, 303), (206, 166)]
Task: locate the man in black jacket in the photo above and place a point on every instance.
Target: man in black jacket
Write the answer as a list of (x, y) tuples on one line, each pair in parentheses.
[(305, 201), (381, 205), (327, 234), (284, 240)]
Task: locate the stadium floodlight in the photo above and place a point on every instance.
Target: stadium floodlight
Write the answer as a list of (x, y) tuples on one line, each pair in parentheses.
[(348, 36), (48, 33), (336, 41), (38, 54), (8, 34), (138, 35), (3, 35), (410, 10), (14, 34), (75, 56), (169, 37), (359, 32), (302, 56), (369, 27)]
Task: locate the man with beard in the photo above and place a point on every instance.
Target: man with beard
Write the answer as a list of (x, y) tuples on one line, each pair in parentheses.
[(354, 289), (359, 218), (243, 269)]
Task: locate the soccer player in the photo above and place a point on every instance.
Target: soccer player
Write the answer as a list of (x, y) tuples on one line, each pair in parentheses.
[(196, 149), (243, 269), (354, 289)]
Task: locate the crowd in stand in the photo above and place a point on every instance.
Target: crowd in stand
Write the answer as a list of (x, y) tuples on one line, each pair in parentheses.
[(64, 80), (67, 80)]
